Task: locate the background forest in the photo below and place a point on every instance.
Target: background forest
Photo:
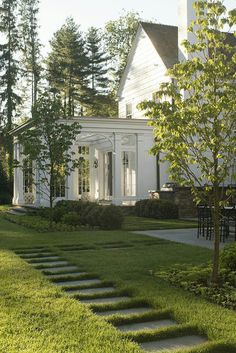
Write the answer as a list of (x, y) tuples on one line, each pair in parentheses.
[(82, 68)]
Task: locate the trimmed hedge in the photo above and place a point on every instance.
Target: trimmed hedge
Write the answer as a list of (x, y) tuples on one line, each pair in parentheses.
[(85, 213), (153, 208)]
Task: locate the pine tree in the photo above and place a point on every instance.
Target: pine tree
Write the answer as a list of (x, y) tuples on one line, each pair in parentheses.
[(97, 61), (9, 73), (30, 44), (8, 62), (100, 97), (67, 66)]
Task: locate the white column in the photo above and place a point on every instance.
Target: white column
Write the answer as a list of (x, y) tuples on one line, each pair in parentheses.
[(72, 181), (186, 14), (15, 186), (117, 165), (37, 186), (20, 184), (139, 165)]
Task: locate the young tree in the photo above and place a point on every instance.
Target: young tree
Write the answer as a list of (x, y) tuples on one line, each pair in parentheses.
[(9, 70), (30, 44), (119, 36), (47, 142), (67, 66), (197, 133)]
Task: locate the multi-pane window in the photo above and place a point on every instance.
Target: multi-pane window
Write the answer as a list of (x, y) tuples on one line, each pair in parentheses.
[(27, 176), (59, 187), (129, 111), (128, 173), (83, 170)]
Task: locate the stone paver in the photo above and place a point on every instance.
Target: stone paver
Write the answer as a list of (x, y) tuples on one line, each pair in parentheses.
[(91, 290), (129, 311), (104, 300), (59, 269), (67, 275), (185, 236), (147, 325), (80, 282), (35, 255), (173, 343), (42, 258), (50, 263)]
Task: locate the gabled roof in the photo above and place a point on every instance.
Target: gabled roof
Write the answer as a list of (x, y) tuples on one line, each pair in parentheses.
[(165, 40)]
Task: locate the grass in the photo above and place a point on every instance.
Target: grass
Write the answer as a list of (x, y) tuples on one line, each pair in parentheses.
[(143, 223), (36, 316)]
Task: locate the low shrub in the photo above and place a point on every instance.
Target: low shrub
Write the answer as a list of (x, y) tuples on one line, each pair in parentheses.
[(197, 281), (153, 208), (228, 257), (5, 198), (71, 218), (71, 206), (85, 211), (93, 216), (111, 217)]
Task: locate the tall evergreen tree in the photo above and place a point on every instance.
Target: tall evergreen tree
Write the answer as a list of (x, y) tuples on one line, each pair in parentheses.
[(67, 66), (9, 70), (101, 102), (30, 44), (8, 62), (97, 61)]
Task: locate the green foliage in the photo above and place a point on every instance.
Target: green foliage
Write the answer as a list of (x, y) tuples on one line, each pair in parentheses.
[(71, 218), (228, 257), (9, 63), (30, 46), (196, 280), (68, 65), (111, 217), (47, 141), (119, 36), (160, 209), (195, 116)]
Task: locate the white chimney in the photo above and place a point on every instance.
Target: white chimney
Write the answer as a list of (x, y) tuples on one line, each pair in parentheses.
[(186, 14)]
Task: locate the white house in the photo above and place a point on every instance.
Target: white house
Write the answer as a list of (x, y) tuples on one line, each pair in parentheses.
[(117, 164)]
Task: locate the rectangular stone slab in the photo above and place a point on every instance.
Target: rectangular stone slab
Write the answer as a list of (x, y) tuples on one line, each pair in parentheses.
[(42, 258), (59, 269), (50, 263), (146, 325), (129, 311), (35, 255), (104, 300), (69, 275), (91, 290), (173, 343), (78, 282)]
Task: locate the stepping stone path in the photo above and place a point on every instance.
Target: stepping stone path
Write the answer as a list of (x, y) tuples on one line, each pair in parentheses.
[(173, 343), (147, 325), (93, 291)]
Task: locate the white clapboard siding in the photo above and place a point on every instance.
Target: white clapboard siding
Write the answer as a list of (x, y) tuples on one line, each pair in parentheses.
[(143, 75)]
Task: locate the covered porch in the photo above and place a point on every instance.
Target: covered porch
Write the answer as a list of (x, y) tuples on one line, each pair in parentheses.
[(115, 165)]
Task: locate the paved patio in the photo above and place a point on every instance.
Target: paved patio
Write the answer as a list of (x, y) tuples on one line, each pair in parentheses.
[(185, 236)]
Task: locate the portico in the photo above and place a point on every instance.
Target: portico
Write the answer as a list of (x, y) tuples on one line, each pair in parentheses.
[(115, 165)]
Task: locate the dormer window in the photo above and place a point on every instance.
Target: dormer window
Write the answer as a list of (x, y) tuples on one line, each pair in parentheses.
[(129, 111)]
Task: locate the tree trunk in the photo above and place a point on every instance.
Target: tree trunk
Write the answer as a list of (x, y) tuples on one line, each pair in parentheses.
[(216, 225)]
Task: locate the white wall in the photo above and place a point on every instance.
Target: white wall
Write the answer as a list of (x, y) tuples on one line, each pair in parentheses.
[(143, 75)]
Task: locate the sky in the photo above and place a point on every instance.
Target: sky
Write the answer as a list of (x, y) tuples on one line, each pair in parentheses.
[(87, 13)]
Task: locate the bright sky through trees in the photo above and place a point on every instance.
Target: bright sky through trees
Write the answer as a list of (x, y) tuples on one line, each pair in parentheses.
[(95, 13)]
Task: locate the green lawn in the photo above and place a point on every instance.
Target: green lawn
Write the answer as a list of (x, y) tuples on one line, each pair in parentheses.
[(36, 316), (142, 223)]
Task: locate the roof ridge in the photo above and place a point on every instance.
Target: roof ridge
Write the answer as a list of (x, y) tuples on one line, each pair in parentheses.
[(156, 24)]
